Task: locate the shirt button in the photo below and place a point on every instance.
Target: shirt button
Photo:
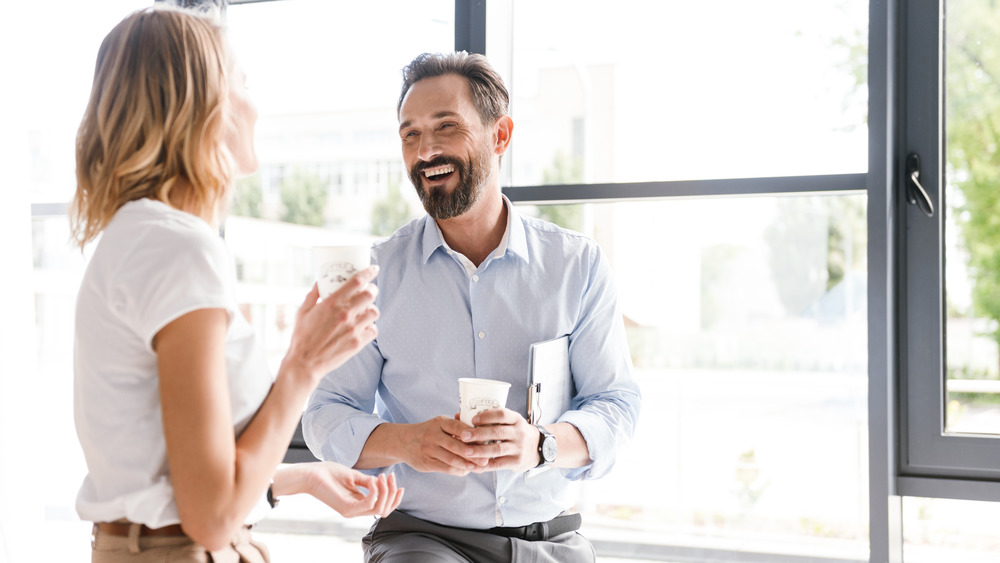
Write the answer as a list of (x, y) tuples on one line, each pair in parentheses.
[(502, 500), (482, 335), (475, 278)]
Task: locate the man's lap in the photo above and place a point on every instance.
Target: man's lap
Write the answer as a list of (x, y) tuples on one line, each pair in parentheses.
[(400, 538)]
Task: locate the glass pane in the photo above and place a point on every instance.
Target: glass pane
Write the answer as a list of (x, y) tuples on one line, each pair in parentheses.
[(326, 90), (50, 82), (972, 184), (56, 83), (936, 530), (677, 90), (746, 321)]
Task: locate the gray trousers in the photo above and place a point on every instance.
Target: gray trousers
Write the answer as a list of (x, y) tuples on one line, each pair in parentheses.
[(401, 538)]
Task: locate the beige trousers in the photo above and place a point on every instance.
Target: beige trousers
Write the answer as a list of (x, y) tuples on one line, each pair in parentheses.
[(173, 549)]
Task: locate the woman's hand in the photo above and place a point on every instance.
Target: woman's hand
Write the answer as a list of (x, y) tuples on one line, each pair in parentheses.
[(328, 332), (340, 488)]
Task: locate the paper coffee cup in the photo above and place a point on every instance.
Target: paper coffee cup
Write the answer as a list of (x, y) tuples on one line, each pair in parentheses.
[(477, 395), (337, 264)]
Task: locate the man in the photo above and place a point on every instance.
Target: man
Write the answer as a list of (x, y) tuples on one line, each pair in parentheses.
[(463, 292)]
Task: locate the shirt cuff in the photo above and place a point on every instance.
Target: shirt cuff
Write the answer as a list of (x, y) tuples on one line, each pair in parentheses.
[(600, 445), (345, 442)]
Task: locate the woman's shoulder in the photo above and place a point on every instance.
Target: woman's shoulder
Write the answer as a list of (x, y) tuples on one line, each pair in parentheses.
[(161, 226), (148, 235)]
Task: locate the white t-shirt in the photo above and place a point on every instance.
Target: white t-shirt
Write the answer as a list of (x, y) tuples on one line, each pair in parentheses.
[(152, 265)]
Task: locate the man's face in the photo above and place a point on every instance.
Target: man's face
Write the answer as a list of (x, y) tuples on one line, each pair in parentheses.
[(447, 150)]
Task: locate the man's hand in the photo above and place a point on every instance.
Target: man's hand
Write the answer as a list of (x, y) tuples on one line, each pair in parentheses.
[(433, 446), (500, 439)]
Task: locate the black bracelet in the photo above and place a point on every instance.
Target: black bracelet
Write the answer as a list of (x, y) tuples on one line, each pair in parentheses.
[(270, 495)]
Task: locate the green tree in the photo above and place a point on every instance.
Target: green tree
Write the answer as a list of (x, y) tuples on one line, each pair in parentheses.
[(563, 170), (847, 240), (304, 197), (247, 197), (389, 212), (973, 119)]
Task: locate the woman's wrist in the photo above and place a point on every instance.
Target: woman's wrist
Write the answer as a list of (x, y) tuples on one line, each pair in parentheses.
[(290, 481), (297, 371)]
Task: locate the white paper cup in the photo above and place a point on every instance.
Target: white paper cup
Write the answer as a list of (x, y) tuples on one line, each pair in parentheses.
[(337, 264), (477, 395)]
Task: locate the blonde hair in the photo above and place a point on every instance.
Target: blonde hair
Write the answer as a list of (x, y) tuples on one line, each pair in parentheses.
[(155, 124)]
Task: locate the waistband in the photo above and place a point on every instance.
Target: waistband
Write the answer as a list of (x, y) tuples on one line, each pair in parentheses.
[(121, 529), (540, 531)]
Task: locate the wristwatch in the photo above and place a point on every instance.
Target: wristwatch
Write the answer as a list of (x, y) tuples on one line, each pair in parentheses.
[(547, 447)]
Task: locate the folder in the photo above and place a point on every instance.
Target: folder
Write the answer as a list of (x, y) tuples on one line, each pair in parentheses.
[(550, 383)]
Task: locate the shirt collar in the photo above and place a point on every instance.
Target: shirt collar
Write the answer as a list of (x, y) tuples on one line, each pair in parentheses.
[(513, 240)]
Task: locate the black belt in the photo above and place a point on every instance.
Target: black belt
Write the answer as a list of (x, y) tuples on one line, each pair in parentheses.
[(541, 531)]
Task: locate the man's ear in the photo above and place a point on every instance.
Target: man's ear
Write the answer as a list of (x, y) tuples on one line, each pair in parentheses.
[(503, 128)]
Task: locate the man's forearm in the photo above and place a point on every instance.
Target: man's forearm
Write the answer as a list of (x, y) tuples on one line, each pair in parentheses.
[(382, 448), (573, 450)]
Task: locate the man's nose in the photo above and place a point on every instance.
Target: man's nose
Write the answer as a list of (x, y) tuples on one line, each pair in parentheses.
[(429, 148)]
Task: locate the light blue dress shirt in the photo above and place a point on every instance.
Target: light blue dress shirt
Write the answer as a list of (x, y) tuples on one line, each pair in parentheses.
[(439, 323)]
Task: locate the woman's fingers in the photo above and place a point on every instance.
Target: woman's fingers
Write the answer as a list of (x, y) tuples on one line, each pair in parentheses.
[(384, 495), (309, 301), (394, 497), (358, 282)]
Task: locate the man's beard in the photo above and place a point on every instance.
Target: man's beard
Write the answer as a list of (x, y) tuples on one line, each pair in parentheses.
[(472, 176)]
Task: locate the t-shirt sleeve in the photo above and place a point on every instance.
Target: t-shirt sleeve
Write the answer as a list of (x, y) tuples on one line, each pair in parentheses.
[(171, 274)]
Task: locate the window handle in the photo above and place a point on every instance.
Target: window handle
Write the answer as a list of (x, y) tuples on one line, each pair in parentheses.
[(915, 193)]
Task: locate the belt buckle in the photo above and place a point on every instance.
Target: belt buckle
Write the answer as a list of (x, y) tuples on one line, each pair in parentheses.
[(537, 531)]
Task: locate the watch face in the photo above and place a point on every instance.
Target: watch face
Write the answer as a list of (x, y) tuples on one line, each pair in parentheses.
[(549, 449)]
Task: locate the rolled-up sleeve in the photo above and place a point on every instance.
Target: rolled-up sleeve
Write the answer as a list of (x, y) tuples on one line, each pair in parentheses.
[(606, 407), (340, 414)]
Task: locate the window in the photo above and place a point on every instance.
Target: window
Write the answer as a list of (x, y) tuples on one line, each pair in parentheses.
[(746, 316), (950, 352), (629, 116), (746, 323), (971, 274), (326, 90), (659, 91)]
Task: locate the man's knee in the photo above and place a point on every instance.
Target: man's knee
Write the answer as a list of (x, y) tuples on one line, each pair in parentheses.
[(411, 548)]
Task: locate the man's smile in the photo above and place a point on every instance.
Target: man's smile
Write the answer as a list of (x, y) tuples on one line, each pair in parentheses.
[(439, 173)]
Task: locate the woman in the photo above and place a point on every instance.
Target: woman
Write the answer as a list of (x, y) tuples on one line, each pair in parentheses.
[(181, 423)]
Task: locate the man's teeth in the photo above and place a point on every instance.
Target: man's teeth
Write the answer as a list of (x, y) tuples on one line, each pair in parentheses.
[(438, 170)]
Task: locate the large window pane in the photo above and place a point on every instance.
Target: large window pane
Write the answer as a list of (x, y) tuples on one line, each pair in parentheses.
[(679, 90), (936, 530), (747, 326), (326, 89), (49, 89), (331, 170), (973, 205)]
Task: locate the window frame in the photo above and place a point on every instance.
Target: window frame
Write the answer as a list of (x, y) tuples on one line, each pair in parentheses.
[(932, 462)]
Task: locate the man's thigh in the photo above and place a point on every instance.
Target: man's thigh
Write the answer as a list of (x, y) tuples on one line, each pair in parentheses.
[(411, 548), (400, 538)]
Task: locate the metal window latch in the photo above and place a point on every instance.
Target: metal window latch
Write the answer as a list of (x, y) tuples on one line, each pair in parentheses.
[(915, 193)]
